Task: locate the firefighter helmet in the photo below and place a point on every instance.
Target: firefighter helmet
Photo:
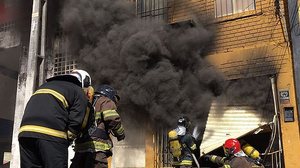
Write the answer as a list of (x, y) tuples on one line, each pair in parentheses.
[(83, 77), (108, 91), (184, 121), (231, 146)]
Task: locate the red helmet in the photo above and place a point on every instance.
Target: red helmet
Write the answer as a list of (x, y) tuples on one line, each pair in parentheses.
[(231, 146)]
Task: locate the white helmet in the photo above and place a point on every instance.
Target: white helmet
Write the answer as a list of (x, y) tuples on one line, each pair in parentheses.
[(83, 77)]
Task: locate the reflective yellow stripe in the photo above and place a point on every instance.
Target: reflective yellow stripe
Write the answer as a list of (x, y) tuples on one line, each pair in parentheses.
[(86, 117), (95, 145), (54, 93), (106, 114), (43, 130), (227, 166), (186, 162), (193, 147), (110, 113), (120, 130), (213, 158), (98, 115)]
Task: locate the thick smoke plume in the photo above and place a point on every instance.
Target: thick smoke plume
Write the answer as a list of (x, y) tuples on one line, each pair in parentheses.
[(158, 70), (255, 92)]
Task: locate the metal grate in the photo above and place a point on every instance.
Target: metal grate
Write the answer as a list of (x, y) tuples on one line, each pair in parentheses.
[(63, 62), (163, 157), (154, 9)]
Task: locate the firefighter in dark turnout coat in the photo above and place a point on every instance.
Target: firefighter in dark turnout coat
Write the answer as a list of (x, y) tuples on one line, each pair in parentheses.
[(93, 150), (55, 115), (235, 156), (182, 144)]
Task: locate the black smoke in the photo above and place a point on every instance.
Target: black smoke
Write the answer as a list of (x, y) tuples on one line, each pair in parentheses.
[(255, 92), (159, 69)]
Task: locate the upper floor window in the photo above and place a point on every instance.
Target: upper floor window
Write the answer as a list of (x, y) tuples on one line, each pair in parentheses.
[(229, 7), (152, 8)]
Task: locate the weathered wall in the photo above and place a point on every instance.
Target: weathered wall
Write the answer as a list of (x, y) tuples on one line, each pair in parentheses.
[(9, 60), (9, 37)]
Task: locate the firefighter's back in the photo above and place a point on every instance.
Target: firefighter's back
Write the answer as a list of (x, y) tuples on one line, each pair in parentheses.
[(46, 113)]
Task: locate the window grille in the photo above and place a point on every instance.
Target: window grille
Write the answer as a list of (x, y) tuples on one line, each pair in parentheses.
[(229, 7), (63, 62), (163, 157), (152, 8)]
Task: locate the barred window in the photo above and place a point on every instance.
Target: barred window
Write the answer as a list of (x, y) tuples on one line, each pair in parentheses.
[(229, 7), (63, 62), (152, 8)]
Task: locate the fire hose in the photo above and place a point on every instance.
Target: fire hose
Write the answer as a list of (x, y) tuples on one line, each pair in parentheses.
[(196, 161)]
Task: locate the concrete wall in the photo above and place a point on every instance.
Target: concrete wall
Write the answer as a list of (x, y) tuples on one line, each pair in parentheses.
[(131, 151), (9, 37), (9, 60)]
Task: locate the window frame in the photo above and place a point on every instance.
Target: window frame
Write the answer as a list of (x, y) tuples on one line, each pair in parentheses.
[(234, 7)]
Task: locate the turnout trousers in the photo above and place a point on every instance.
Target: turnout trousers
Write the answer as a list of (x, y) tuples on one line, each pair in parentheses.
[(39, 153), (89, 160)]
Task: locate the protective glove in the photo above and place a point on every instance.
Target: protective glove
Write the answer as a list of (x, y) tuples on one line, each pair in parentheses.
[(121, 137), (70, 136), (207, 157)]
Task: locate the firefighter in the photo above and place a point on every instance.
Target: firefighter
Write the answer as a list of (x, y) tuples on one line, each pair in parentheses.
[(93, 150), (182, 144), (235, 156), (54, 116)]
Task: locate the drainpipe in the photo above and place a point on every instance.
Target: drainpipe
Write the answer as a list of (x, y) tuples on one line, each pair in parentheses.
[(42, 55), (276, 121), (274, 91)]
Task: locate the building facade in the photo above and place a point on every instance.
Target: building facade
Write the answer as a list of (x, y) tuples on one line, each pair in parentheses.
[(254, 38)]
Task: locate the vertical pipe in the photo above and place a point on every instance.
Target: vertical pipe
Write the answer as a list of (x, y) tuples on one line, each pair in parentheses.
[(276, 107), (43, 44), (274, 91), (137, 7)]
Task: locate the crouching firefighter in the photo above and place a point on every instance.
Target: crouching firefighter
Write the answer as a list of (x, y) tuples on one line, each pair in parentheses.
[(235, 156), (181, 144), (93, 149)]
